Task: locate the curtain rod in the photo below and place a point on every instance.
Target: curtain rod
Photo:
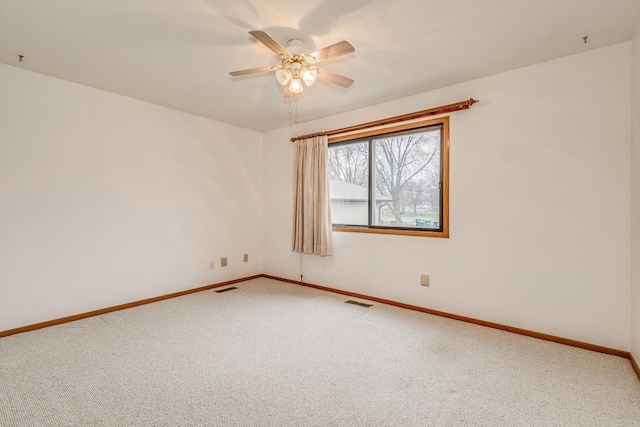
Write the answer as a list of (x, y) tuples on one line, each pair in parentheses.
[(458, 106)]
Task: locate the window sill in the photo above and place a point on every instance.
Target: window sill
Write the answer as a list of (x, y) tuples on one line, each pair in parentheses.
[(422, 233)]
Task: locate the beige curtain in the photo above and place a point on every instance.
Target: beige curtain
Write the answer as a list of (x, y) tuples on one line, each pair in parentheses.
[(311, 212)]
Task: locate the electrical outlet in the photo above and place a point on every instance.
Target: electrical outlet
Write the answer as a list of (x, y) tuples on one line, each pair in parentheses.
[(246, 257), (424, 280), (212, 265), (223, 262)]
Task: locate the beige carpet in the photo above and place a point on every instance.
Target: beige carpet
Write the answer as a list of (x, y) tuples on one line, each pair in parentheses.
[(276, 354)]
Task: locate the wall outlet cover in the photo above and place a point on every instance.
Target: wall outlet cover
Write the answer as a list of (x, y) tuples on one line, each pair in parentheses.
[(424, 280)]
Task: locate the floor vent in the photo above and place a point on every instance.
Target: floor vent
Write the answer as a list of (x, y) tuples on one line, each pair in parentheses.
[(225, 290), (361, 304)]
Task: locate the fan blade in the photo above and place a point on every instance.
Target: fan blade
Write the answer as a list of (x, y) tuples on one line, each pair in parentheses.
[(266, 40), (251, 71), (334, 78), (333, 51)]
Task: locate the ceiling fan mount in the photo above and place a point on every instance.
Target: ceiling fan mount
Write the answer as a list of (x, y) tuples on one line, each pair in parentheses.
[(297, 67), (295, 44)]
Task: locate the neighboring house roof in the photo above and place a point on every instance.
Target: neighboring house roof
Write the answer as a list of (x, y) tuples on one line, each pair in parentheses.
[(340, 190)]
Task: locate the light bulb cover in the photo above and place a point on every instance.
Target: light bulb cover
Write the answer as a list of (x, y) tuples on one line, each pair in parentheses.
[(283, 75), (295, 86), (309, 75)]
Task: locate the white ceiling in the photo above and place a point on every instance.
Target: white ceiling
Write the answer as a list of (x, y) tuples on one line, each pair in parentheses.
[(178, 53)]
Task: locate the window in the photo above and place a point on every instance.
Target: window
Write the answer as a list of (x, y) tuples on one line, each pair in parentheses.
[(392, 181)]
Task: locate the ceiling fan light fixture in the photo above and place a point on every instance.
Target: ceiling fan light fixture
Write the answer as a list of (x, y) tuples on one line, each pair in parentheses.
[(296, 85), (309, 75), (283, 75), (296, 66)]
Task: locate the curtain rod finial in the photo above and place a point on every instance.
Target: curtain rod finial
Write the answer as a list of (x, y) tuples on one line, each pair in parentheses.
[(472, 101)]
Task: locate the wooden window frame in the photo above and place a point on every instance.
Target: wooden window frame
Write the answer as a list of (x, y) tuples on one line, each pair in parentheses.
[(444, 232)]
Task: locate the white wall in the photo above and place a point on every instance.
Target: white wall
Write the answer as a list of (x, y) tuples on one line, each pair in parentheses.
[(540, 183), (635, 196), (107, 200)]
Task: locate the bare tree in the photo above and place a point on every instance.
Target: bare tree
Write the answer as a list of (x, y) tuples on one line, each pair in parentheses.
[(350, 163), (414, 194), (399, 161)]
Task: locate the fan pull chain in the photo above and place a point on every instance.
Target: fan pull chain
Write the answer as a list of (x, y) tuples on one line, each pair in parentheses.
[(295, 107)]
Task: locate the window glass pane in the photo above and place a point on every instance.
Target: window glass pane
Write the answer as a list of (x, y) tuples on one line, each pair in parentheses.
[(348, 183), (407, 180)]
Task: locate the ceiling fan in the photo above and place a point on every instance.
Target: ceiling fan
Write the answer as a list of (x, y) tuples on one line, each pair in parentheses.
[(297, 67)]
